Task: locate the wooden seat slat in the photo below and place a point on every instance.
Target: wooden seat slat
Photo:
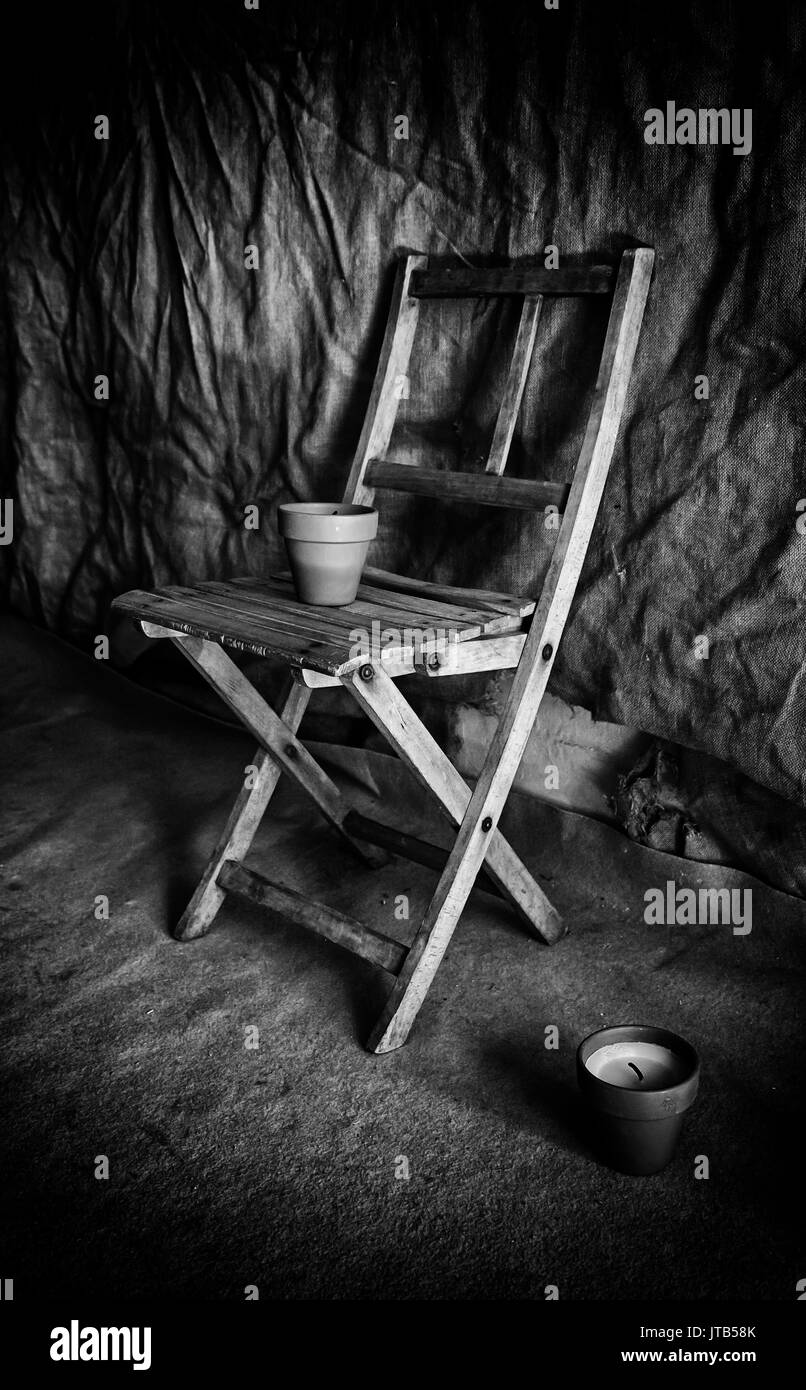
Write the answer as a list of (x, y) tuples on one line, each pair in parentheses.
[(265, 618), (375, 601), (240, 632), (484, 599), (279, 604)]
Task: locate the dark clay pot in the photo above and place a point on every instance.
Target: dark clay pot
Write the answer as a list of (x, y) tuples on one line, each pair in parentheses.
[(636, 1130)]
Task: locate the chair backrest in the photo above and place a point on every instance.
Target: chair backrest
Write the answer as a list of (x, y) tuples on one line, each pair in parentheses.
[(415, 281)]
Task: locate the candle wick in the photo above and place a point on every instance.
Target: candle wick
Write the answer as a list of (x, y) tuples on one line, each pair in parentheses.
[(638, 1073)]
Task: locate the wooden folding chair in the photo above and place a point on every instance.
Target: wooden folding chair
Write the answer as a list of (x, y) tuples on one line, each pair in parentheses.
[(488, 632)]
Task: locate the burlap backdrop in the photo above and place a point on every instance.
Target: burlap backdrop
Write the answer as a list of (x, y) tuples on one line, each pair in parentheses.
[(275, 128)]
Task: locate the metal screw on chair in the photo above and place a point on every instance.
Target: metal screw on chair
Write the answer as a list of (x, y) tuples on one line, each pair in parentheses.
[(290, 750), (433, 662), (547, 651), (366, 672), (487, 823)]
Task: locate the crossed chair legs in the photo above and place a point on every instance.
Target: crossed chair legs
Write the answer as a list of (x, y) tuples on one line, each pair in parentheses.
[(479, 844)]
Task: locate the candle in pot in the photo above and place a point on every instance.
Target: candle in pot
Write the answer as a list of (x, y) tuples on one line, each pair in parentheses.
[(638, 1082), (640, 1066)]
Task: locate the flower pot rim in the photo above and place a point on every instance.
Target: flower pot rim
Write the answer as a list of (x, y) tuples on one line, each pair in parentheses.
[(623, 1102), (327, 523), (326, 508)]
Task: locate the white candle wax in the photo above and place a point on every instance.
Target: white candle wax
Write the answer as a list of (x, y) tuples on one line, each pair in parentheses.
[(637, 1066)]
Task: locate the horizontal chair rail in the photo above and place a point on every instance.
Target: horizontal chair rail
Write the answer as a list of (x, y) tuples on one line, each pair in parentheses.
[(500, 653), (408, 847), (317, 917), (486, 489), (445, 282)]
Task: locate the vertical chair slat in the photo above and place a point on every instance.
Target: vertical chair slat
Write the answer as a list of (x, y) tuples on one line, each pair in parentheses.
[(393, 363), (516, 381)]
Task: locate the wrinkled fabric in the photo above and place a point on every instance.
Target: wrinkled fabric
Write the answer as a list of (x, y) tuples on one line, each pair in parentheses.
[(232, 387)]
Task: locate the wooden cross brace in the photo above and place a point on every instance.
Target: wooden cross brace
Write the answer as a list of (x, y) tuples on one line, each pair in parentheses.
[(281, 751)]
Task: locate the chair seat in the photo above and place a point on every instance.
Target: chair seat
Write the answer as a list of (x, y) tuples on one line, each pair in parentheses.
[(402, 617)]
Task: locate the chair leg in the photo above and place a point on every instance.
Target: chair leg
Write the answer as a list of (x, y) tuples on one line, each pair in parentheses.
[(478, 840), (238, 833), (429, 946), (381, 700), (278, 739), (442, 915)]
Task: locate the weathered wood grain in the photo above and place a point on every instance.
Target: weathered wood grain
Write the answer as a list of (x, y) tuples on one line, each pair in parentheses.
[(397, 721), (335, 926), (282, 745), (483, 599), (409, 847), (194, 618), (406, 606), (265, 617), (515, 383), (485, 654), (450, 281), (482, 489), (393, 365), (242, 825)]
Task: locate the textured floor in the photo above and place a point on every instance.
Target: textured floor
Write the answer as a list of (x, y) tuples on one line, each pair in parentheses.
[(276, 1166)]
